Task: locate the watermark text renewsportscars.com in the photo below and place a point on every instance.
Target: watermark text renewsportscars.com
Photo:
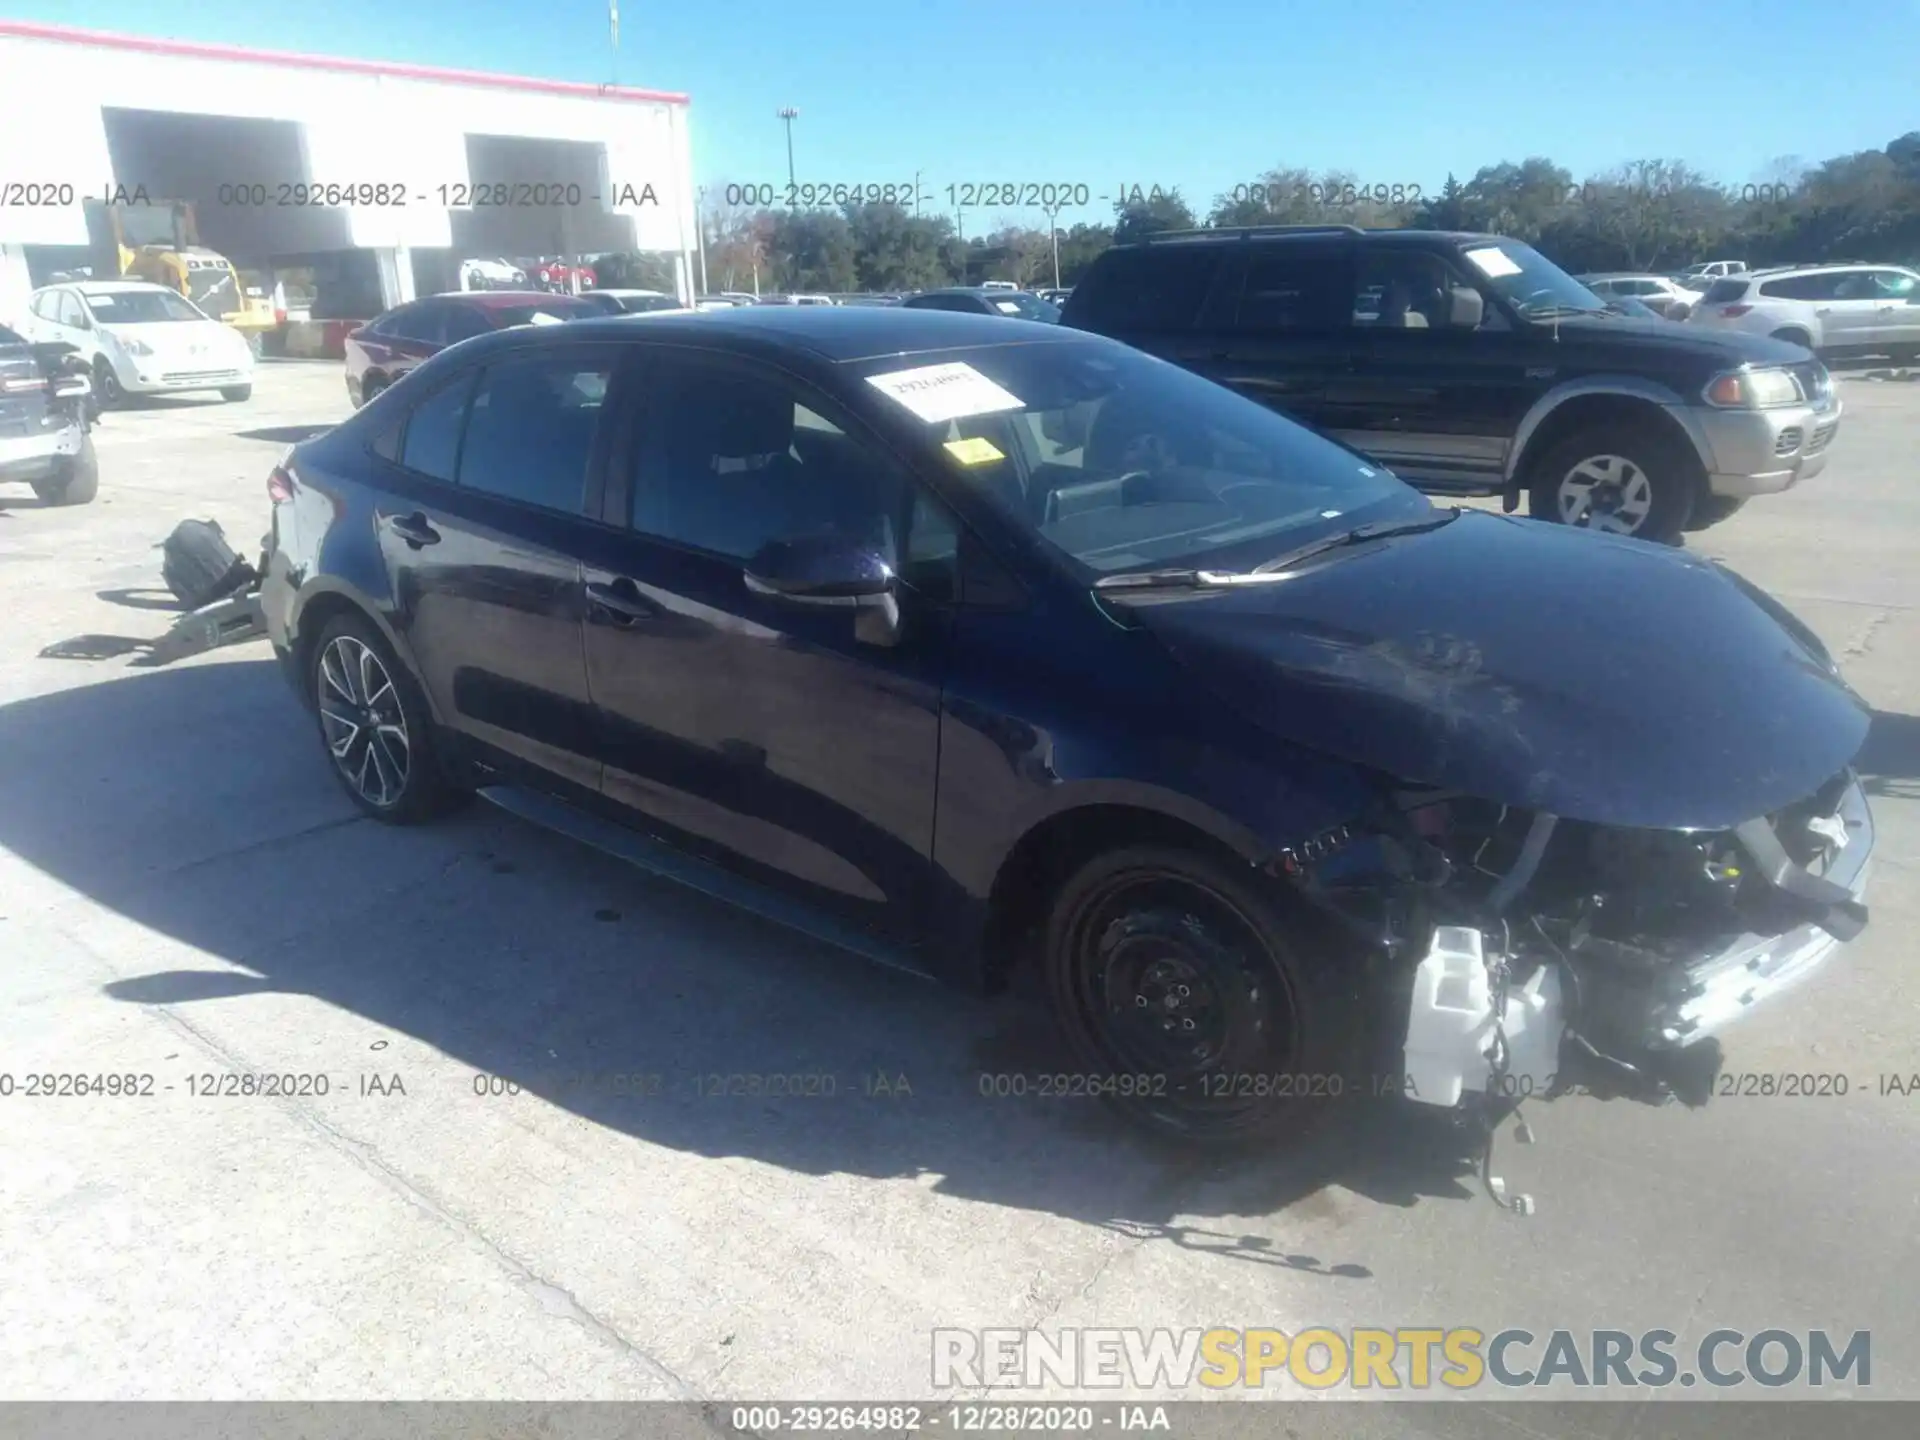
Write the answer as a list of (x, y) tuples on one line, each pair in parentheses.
[(1368, 1358)]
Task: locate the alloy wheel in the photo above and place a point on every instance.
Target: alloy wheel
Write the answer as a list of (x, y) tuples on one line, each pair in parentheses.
[(362, 721), (1605, 492)]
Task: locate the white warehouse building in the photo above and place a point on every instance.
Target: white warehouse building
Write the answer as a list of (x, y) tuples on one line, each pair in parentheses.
[(378, 177)]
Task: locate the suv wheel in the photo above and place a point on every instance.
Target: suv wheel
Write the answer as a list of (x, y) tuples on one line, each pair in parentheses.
[(76, 483), (1179, 997), (374, 723), (1616, 480)]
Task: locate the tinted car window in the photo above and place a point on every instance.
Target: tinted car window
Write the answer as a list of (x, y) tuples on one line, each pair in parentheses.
[(561, 307), (1296, 288), (1154, 288), (463, 322), (1895, 285), (423, 324), (1791, 287), (730, 459), (432, 442), (530, 428)]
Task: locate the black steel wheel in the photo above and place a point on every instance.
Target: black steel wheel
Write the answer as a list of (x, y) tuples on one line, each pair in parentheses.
[(1181, 996), (375, 725)]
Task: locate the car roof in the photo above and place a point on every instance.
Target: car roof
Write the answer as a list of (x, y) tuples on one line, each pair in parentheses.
[(836, 333), (1284, 234), (84, 284), (496, 299)]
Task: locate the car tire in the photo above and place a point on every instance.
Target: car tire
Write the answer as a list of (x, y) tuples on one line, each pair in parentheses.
[(236, 393), (1793, 336), (369, 389), (361, 695), (79, 481), (1182, 997), (106, 384), (1620, 479)]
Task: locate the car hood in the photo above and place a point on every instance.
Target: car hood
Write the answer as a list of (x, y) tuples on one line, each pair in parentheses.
[(1728, 346), (1598, 678)]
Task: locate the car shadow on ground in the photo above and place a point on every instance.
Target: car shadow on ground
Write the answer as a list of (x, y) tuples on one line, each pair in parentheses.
[(1889, 763), (207, 815)]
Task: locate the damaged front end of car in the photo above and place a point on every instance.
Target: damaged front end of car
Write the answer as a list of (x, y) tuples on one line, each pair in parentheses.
[(1531, 955)]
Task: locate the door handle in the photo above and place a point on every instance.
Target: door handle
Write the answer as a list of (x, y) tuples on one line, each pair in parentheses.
[(619, 602), (414, 529), (1827, 311)]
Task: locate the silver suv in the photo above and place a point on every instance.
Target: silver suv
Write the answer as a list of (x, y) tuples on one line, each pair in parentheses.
[(1836, 310)]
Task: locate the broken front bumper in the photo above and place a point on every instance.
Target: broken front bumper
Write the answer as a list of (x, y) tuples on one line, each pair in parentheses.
[(1636, 1034), (1754, 969)]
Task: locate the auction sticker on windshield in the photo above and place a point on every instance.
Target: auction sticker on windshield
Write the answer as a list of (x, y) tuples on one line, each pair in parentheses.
[(945, 392), (975, 451), (1493, 262)]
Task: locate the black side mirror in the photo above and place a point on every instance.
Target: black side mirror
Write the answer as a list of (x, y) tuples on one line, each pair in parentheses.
[(835, 572), (821, 569)]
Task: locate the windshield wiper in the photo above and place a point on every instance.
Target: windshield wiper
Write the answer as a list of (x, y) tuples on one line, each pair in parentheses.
[(1554, 312), (1273, 569), (1178, 579), (1359, 535)]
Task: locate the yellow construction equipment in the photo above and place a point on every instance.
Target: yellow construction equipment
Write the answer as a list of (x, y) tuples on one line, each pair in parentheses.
[(159, 241)]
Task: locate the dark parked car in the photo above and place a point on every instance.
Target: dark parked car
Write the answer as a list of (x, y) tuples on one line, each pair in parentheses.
[(975, 300), (887, 625), (384, 349), (1473, 365), (45, 420)]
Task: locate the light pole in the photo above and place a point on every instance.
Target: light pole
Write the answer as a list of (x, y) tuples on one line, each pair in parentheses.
[(700, 233), (788, 115), (1053, 238)]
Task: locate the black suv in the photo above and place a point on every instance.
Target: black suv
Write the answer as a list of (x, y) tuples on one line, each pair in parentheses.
[(1473, 365)]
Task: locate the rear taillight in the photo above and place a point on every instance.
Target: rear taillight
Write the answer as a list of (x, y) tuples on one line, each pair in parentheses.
[(280, 485), (1734, 312)]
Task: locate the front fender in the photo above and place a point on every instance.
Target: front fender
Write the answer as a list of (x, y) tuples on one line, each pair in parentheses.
[(1629, 387)]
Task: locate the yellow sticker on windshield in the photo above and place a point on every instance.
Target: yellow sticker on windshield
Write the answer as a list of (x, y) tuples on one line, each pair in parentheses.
[(975, 451)]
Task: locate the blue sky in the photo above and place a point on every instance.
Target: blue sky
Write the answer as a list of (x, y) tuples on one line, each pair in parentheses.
[(1200, 94)]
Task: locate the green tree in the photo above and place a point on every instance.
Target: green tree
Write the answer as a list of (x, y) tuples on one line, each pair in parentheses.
[(1142, 214)]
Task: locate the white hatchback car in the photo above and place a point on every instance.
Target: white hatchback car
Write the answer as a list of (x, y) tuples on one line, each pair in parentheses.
[(1835, 310), (142, 339)]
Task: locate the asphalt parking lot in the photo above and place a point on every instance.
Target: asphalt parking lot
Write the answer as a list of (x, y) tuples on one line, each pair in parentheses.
[(184, 893)]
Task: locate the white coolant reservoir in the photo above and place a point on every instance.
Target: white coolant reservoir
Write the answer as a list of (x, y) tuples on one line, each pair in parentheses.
[(1451, 1026)]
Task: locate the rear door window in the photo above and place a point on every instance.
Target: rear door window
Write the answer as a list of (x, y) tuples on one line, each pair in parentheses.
[(431, 446), (424, 324), (1792, 287), (531, 425), (1155, 289), (1725, 292)]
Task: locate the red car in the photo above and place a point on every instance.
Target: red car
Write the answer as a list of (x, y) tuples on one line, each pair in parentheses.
[(383, 350)]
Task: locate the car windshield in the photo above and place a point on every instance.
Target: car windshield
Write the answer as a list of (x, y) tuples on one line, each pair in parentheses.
[(1119, 461), (1530, 282), (139, 307), (1025, 306), (555, 309)]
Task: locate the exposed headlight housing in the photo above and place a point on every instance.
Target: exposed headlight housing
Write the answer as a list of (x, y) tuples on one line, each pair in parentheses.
[(1749, 389)]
